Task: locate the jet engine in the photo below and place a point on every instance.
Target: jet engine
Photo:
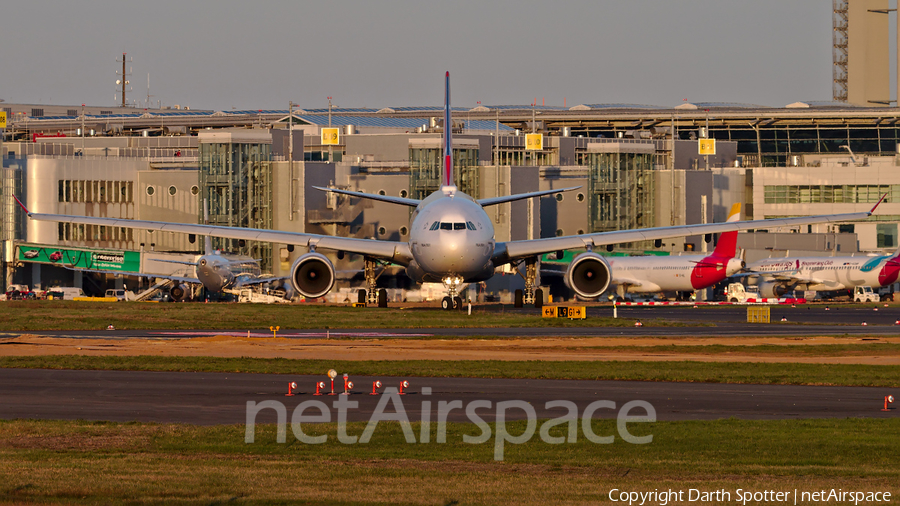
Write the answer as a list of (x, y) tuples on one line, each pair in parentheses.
[(771, 289), (180, 293), (588, 275), (312, 275)]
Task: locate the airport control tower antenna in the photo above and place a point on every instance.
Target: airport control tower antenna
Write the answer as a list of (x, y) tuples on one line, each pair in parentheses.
[(839, 50), (123, 78)]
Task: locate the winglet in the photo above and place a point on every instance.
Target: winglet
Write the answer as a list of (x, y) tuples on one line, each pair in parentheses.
[(735, 214), (870, 212), (29, 212)]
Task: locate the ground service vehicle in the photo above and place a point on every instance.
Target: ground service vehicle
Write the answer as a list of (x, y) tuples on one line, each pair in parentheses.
[(865, 294), (737, 292)]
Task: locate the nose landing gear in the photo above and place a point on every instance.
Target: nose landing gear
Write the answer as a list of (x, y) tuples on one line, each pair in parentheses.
[(452, 300), (448, 303)]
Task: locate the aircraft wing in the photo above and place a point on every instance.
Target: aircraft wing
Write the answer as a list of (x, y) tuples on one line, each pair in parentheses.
[(626, 281), (787, 276), (519, 196), (258, 281), (181, 262), (183, 279), (393, 251), (513, 250), (373, 196)]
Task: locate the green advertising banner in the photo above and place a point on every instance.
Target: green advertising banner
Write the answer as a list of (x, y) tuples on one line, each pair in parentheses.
[(107, 260)]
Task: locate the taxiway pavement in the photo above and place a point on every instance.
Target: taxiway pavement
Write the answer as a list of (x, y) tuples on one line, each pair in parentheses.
[(221, 398)]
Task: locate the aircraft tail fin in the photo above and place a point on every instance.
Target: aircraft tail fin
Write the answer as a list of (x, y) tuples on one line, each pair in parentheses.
[(727, 245), (447, 168), (896, 253)]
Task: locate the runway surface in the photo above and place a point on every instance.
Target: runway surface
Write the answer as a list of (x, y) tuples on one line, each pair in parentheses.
[(221, 398)]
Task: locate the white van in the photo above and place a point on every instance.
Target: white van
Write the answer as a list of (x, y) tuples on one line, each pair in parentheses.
[(118, 293), (64, 292)]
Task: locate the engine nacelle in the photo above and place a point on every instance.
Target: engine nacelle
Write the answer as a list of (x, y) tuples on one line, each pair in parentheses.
[(312, 275), (772, 290), (180, 293), (588, 275)]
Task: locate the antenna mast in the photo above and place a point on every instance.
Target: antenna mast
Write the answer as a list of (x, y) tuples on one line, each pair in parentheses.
[(123, 78)]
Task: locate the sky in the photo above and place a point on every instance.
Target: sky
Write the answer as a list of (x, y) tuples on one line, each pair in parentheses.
[(229, 54)]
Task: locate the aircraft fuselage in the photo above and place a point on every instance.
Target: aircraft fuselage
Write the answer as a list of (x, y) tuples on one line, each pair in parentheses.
[(451, 237), (832, 273), (218, 272)]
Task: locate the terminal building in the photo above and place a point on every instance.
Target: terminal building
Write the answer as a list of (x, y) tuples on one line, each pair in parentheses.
[(635, 166)]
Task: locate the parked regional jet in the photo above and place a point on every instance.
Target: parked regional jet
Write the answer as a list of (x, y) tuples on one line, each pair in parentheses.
[(778, 275), (215, 270), (451, 240), (686, 273)]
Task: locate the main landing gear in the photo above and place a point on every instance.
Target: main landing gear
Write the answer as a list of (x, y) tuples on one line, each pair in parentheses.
[(372, 295), (529, 295)]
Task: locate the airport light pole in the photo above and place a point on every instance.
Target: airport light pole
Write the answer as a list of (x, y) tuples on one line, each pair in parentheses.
[(707, 136), (291, 155), (330, 147)]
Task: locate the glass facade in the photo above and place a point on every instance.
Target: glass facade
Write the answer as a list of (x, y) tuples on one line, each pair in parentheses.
[(236, 183), (828, 194), (425, 171), (887, 235), (772, 145), (621, 190)]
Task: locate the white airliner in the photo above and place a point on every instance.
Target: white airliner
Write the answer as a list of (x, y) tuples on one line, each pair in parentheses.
[(654, 274), (451, 240), (215, 270), (778, 275)]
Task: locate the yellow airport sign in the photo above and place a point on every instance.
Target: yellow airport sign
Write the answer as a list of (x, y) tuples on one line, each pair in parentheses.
[(759, 314), (571, 312), (331, 136), (534, 142), (707, 146), (3, 119), (577, 313)]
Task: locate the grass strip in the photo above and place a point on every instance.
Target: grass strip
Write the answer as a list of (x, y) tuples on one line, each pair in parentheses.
[(880, 349), (683, 371), (76, 462)]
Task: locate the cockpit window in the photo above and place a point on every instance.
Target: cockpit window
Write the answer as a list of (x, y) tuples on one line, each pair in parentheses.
[(435, 225), (459, 226), (446, 226), (470, 225)]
